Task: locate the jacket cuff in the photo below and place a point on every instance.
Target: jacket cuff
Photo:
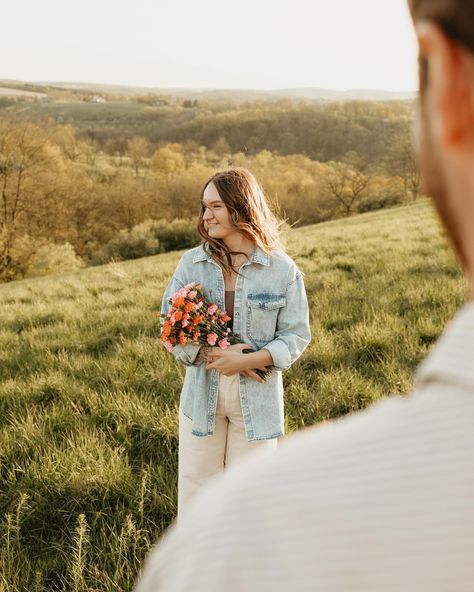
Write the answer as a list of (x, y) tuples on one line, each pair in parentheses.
[(280, 354), (187, 354)]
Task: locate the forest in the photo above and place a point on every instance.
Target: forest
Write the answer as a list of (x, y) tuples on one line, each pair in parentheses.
[(84, 183)]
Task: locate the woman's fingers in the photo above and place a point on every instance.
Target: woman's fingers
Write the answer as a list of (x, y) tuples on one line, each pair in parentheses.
[(253, 375), (240, 347), (215, 355)]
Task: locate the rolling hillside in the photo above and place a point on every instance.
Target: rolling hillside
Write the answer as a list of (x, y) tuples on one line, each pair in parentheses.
[(88, 397)]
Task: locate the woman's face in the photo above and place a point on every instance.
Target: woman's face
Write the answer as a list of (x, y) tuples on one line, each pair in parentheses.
[(216, 216)]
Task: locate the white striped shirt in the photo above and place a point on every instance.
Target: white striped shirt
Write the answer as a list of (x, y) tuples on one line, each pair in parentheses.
[(382, 500)]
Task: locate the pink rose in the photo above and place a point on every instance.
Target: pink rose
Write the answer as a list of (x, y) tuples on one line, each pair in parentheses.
[(212, 309), (211, 339), (192, 294), (223, 344)]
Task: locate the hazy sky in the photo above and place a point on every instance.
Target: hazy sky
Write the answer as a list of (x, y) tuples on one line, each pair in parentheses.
[(337, 44)]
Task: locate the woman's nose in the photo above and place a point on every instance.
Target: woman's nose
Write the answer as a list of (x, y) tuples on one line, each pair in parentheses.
[(207, 214)]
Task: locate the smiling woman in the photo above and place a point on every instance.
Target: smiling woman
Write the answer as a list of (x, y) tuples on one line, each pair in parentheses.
[(226, 409)]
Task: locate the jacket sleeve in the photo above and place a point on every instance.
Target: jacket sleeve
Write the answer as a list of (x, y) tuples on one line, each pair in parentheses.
[(292, 334), (185, 354)]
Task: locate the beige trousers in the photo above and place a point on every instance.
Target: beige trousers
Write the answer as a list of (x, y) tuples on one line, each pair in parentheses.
[(202, 457)]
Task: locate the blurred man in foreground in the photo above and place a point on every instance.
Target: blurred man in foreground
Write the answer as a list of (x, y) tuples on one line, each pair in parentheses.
[(383, 500)]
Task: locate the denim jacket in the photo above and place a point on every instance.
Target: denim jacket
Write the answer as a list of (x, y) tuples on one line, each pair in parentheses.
[(270, 311)]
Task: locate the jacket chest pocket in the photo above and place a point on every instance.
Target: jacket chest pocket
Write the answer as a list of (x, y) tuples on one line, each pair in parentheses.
[(262, 315)]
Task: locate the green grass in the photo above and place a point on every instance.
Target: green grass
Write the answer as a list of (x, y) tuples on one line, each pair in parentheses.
[(88, 397)]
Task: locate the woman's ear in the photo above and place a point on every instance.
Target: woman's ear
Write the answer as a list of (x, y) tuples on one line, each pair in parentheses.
[(449, 93)]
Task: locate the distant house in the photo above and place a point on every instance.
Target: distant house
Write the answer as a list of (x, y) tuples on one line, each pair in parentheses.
[(98, 99)]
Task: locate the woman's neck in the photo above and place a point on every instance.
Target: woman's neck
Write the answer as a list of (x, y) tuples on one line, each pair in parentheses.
[(240, 244)]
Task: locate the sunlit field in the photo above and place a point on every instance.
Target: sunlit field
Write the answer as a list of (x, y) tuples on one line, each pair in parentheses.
[(89, 398)]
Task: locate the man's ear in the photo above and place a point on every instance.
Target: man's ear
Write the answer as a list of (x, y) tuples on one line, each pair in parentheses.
[(449, 95)]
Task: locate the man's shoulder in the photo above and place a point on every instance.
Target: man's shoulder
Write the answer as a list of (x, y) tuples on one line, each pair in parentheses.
[(332, 498), (398, 438)]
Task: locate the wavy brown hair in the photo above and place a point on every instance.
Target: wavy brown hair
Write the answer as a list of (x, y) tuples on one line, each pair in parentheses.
[(249, 211)]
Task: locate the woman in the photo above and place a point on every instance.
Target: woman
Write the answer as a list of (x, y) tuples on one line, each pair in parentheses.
[(226, 409)]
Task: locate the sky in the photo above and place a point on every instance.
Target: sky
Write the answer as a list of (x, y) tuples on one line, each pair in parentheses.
[(258, 44)]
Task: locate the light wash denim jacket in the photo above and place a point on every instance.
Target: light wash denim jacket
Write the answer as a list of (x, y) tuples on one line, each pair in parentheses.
[(270, 311)]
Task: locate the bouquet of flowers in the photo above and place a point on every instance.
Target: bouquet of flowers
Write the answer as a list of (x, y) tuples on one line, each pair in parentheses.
[(191, 319)]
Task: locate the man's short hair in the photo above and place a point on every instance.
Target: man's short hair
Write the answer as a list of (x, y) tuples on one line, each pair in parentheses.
[(455, 17)]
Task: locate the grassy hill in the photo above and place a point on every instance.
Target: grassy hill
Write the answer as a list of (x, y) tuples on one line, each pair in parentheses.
[(88, 397)]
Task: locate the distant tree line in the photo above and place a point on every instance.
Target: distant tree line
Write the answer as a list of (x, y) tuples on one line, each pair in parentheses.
[(321, 131), (74, 195)]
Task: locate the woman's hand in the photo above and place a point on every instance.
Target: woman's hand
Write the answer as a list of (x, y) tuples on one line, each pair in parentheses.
[(232, 361), (254, 375), (203, 354)]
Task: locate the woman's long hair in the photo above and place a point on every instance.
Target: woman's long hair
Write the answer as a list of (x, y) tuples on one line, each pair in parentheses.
[(249, 212)]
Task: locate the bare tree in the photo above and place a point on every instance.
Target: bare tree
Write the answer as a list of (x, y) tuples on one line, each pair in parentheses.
[(346, 184), (25, 153), (401, 162), (138, 149), (65, 138)]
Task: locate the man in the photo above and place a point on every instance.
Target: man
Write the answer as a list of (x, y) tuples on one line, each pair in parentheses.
[(383, 500)]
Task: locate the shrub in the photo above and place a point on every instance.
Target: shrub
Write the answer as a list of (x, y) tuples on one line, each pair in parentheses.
[(149, 238), (32, 257), (378, 202), (131, 244), (181, 233), (52, 258)]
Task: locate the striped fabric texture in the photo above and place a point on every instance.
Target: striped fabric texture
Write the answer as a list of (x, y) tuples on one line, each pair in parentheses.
[(382, 500)]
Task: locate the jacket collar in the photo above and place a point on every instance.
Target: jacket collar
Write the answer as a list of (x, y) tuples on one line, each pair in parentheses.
[(258, 256)]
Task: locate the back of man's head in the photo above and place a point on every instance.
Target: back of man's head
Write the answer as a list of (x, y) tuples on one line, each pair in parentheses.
[(446, 132)]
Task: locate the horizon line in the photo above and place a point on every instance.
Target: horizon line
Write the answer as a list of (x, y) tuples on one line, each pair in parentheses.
[(208, 88)]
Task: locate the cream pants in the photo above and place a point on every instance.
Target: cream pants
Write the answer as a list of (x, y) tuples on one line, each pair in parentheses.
[(202, 457)]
